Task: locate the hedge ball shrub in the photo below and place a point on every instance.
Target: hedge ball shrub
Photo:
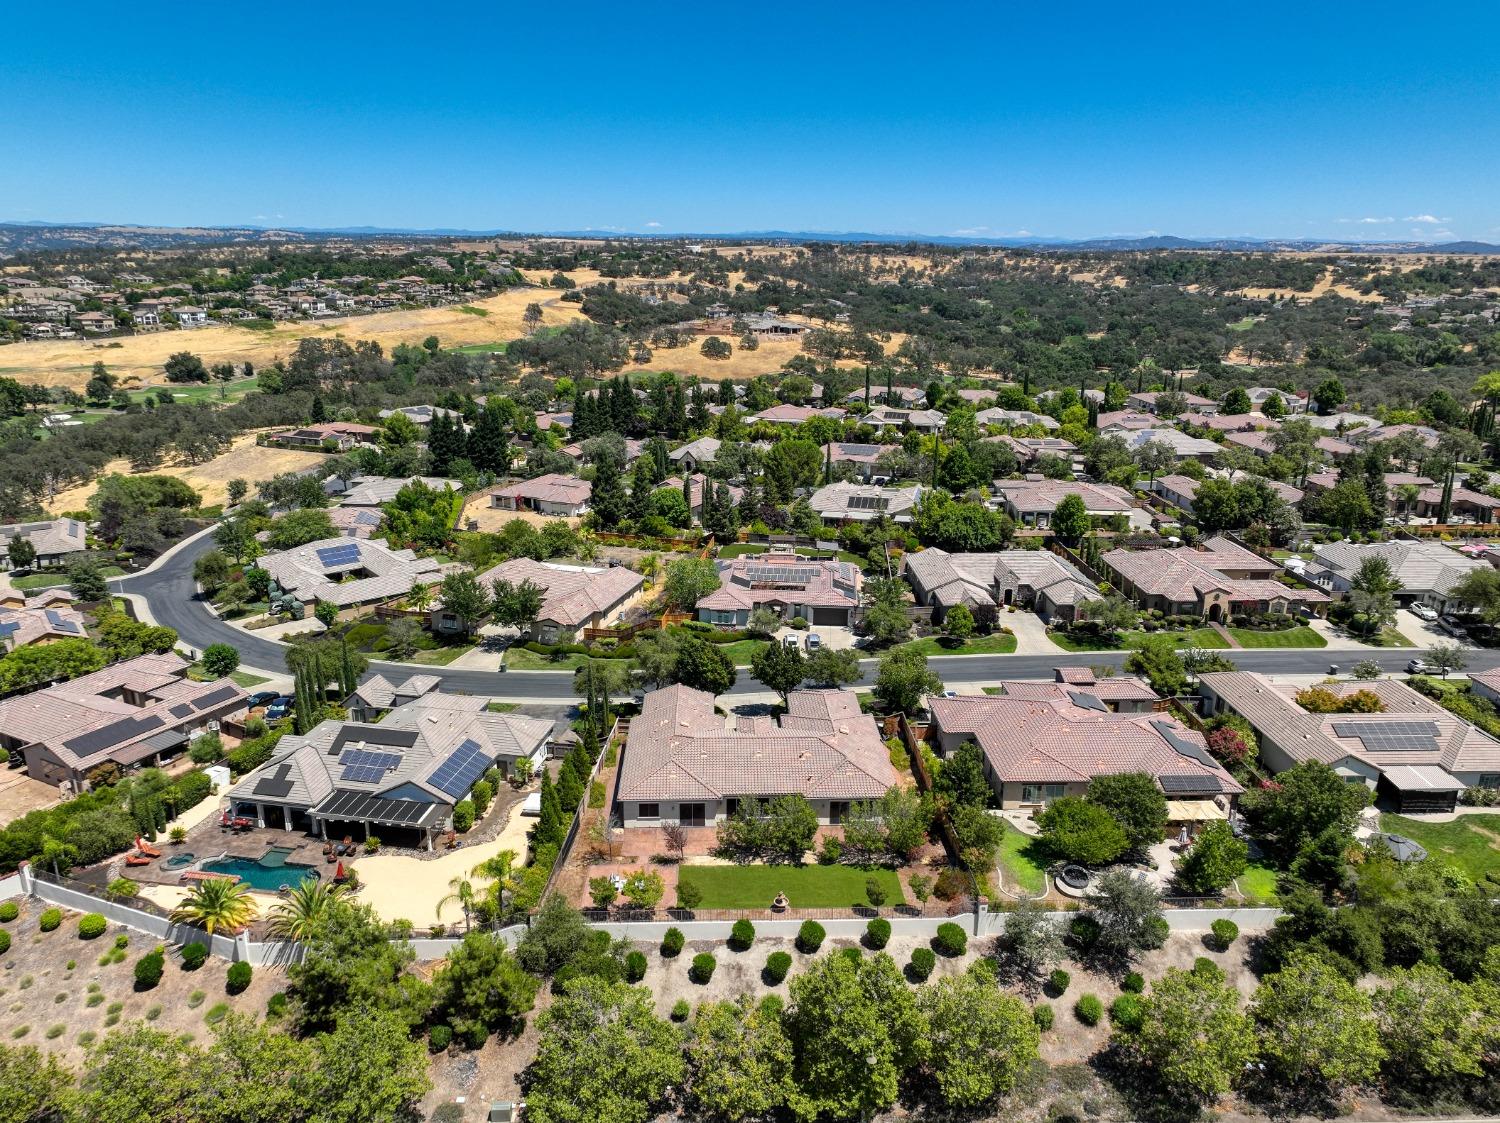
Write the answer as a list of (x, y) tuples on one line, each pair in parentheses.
[(1042, 1015), (193, 955), (1225, 933), (1206, 968), (49, 920), (1127, 1012), (681, 1010), (4, 942), (742, 935), (635, 967), (878, 933), (923, 960), (950, 939), (91, 926), (276, 1005), (475, 1034), (703, 968), (1059, 981), (1134, 983), (439, 1037), (778, 963), (239, 977), (9, 910), (810, 936), (148, 969), (1157, 931), (671, 942), (1089, 1010)]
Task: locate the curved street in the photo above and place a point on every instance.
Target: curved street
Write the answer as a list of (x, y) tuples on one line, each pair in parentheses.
[(168, 588)]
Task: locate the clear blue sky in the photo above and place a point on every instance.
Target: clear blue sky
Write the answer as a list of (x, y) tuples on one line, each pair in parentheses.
[(1313, 119)]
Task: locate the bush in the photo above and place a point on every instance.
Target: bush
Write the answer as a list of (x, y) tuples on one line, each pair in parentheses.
[(742, 935), (1084, 931), (810, 936), (1134, 983), (4, 942), (671, 943), (475, 1034), (1089, 1010), (91, 926), (1225, 932), (276, 1005), (193, 955), (1059, 981), (1127, 1012), (877, 933), (703, 968), (596, 794), (923, 960), (951, 884), (148, 969), (463, 816), (49, 920), (1206, 968), (238, 978), (1042, 1015), (778, 963), (635, 967), (950, 940), (681, 1010), (9, 911), (439, 1037), (1157, 931)]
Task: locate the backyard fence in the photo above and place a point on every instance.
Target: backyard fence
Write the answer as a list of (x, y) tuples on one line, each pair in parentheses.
[(566, 849)]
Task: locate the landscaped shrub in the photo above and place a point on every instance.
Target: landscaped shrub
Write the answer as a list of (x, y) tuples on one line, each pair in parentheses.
[(276, 1005), (1059, 981), (475, 1034), (1089, 1010), (1126, 1012), (439, 1037), (810, 936), (923, 960), (635, 967), (4, 942), (1157, 931), (1083, 931), (49, 920), (1042, 1015), (671, 942), (193, 956), (463, 816), (703, 968), (238, 978), (1225, 932), (148, 969), (91, 926), (950, 939), (951, 884), (9, 910), (778, 963), (216, 1013), (681, 1010), (742, 935), (877, 933), (1206, 968), (1134, 983), (853, 955)]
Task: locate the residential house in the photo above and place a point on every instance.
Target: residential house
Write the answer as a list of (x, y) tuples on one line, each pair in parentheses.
[(1294, 402), (340, 435), (1229, 422), (695, 455), (1180, 491), (1148, 400), (854, 502), (1117, 421), (820, 592), (377, 491), (795, 415), (1216, 581), (1262, 444), (573, 596), (922, 420), (1031, 502), (32, 623), (696, 485), (191, 316), (1428, 571), (1424, 433), (1183, 446), (347, 572), (552, 494), (94, 321), (1048, 584), (422, 415), (54, 540), (1013, 417), (1029, 450), (686, 764), (864, 459), (378, 695), (1121, 694), (908, 396)]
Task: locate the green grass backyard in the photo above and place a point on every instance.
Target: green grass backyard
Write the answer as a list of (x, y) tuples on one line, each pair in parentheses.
[(479, 349), (1471, 842), (996, 644), (1301, 636), (1258, 881), (749, 887), (239, 678), (1205, 638), (1023, 860)]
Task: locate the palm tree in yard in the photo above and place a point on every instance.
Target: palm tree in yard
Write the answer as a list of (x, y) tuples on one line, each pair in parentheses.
[(304, 908), (463, 893), (217, 903)]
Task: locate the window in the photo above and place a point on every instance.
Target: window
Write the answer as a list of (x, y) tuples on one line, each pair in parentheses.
[(648, 811), (1489, 780), (1041, 793)]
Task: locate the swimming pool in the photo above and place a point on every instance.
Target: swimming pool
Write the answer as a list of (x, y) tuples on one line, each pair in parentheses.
[(268, 873)]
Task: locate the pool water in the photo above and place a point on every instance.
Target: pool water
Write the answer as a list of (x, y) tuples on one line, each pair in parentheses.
[(177, 861), (257, 875)]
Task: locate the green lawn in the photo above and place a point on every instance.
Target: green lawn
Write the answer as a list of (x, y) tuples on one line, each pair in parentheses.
[(470, 310), (519, 659), (49, 580), (1470, 842), (1258, 881), (1205, 638), (807, 887), (740, 549), (742, 651), (1301, 636), (1023, 860), (239, 678), (479, 349), (503, 707), (1390, 638), (995, 644), (440, 656)]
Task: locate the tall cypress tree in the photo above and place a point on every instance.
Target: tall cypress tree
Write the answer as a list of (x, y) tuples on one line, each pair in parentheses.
[(487, 446), (687, 494), (867, 385)]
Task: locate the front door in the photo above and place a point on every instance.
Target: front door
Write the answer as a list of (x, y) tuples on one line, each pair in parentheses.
[(690, 814), (838, 810)]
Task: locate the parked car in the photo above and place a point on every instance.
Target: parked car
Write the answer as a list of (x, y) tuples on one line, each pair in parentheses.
[(1418, 667), (789, 641), (262, 698), (279, 708), (1424, 612), (814, 641)]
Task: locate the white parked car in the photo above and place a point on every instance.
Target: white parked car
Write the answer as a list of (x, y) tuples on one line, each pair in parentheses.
[(1424, 612)]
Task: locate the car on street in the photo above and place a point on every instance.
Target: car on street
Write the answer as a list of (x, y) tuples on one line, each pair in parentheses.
[(1418, 667), (1424, 612)]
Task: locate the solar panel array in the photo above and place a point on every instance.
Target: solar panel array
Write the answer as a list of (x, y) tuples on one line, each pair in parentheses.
[(457, 774), (214, 697), (115, 733), (9, 628), (338, 555), (361, 766), (357, 732), (60, 623), (182, 709), (781, 574), (1391, 736), (1182, 782), (1182, 745), (1085, 701)]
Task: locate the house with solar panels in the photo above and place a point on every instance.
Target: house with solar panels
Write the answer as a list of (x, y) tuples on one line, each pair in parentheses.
[(138, 713), (55, 540), (347, 573), (1414, 755), (397, 780), (33, 624), (820, 592)]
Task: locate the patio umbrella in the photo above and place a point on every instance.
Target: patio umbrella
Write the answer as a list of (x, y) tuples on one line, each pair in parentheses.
[(338, 873), (1404, 849)]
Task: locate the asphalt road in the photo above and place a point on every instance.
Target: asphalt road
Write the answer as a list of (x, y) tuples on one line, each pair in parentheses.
[(170, 591)]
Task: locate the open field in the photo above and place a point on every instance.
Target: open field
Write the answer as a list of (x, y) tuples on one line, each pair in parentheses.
[(751, 887)]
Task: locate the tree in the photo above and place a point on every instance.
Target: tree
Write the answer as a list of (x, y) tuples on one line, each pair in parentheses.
[(1236, 402), (1126, 911), (1216, 859), (780, 829), (1109, 616), (688, 581), (1310, 799), (211, 570), (644, 888), (1070, 519), (1373, 590), (886, 624), (463, 596), (236, 490), (85, 581), (1447, 657), (778, 667), (517, 606), (218, 903), (1433, 1026), (297, 528), (184, 366), (961, 780), (1135, 802), (138, 1075), (1216, 507), (904, 681), (1032, 944), (481, 983), (1329, 395), (326, 612), (1315, 1024), (21, 552), (958, 624), (1479, 591), (980, 1041), (220, 660), (704, 666), (603, 1054), (1080, 831), (1274, 406), (305, 906), (1346, 505), (739, 1060), (1192, 1034), (368, 1069), (1158, 660), (34, 1086), (401, 637)]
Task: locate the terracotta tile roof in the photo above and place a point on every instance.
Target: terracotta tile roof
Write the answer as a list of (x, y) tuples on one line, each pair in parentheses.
[(1184, 575), (795, 415), (785, 578), (572, 595), (851, 500), (22, 626), (304, 571), (953, 579), (1045, 495), (551, 488)]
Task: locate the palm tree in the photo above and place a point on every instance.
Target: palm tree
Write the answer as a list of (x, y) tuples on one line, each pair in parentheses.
[(304, 908), (463, 893), (420, 597), (217, 903)]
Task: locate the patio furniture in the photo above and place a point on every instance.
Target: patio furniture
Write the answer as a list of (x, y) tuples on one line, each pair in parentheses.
[(135, 859), (149, 851)]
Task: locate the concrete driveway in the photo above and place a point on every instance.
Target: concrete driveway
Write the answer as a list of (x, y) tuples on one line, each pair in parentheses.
[(1030, 632)]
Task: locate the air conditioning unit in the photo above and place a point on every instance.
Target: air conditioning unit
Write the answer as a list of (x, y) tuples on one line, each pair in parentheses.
[(213, 726)]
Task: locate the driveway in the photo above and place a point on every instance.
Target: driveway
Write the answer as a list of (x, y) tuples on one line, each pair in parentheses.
[(1030, 632)]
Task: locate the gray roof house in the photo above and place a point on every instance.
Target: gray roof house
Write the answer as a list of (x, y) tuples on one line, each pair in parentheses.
[(53, 539), (1427, 570), (348, 572), (854, 502), (1049, 584)]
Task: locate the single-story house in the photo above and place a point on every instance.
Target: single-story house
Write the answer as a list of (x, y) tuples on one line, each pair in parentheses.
[(378, 695), (1216, 581), (552, 494), (855, 502), (377, 491), (696, 455), (573, 596), (1012, 417), (1031, 502), (864, 459), (796, 415), (1180, 491), (821, 592), (33, 624), (1182, 445), (342, 435), (348, 572), (1121, 694), (1147, 400), (1048, 584), (53, 540), (696, 484), (887, 417), (1029, 450), (1428, 571)]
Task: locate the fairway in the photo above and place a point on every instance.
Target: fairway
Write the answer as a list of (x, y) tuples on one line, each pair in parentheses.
[(755, 887)]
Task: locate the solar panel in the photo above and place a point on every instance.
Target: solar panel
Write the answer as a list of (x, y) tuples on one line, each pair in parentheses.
[(1183, 782), (457, 774), (9, 628), (57, 620), (373, 735), (182, 709), (1182, 745), (276, 785), (1087, 701), (385, 761), (115, 733), (214, 697), (363, 774), (1391, 736), (338, 555)]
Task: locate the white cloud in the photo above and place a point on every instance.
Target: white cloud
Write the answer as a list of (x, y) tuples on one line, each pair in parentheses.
[(1368, 221), (1431, 220), (653, 225), (1445, 233), (969, 232)]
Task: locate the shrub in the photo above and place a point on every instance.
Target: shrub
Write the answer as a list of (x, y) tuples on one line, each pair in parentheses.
[(195, 999), (193, 955), (122, 941), (635, 967), (91, 926), (877, 933), (1134, 983), (778, 963), (1059, 981), (475, 1034), (1127, 1012), (439, 1037), (671, 943), (1084, 931), (831, 851), (276, 1005), (1089, 1010), (148, 969), (923, 960), (1042, 1015), (238, 978), (9, 911), (463, 816), (1157, 931), (1206, 968), (4, 942), (950, 939), (810, 936), (875, 891), (681, 1010), (703, 968), (951, 884), (1225, 932), (153, 1011), (49, 920), (216, 1013), (742, 935)]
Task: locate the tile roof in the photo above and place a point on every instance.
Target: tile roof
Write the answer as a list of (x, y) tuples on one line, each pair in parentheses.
[(1175, 439), (850, 500), (1184, 575), (52, 537), (997, 416), (380, 693), (1044, 495), (703, 450), (953, 579), (1421, 567), (696, 484), (551, 488), (572, 595), (376, 491), (784, 578), (389, 573), (1126, 419), (795, 415), (882, 416), (823, 748), (844, 451), (31, 623)]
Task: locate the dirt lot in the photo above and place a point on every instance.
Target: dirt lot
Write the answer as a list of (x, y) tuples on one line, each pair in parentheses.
[(19, 793), (491, 519)]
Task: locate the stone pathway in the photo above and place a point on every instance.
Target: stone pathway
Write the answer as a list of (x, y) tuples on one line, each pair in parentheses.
[(1225, 633)]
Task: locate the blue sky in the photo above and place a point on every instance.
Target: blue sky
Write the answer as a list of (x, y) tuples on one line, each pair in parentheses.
[(1313, 119)]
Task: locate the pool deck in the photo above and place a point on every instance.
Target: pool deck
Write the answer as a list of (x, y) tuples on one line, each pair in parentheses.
[(209, 841)]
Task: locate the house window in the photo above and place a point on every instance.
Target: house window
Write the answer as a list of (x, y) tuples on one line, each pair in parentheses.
[(1489, 780), (648, 811), (1041, 793)]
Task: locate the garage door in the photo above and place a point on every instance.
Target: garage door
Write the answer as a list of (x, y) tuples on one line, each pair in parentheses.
[(831, 616)]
